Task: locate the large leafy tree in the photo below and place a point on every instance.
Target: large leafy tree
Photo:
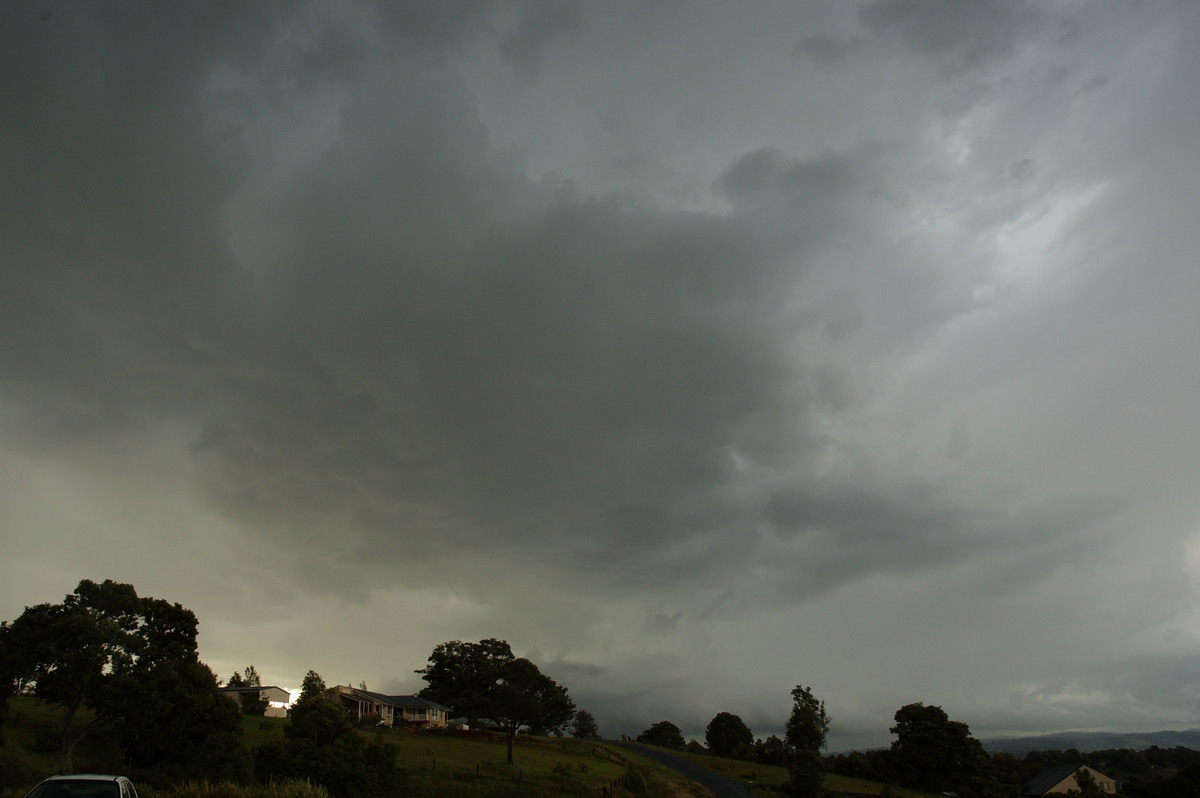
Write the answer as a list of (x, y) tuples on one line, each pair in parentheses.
[(584, 726), (466, 676), (99, 650), (179, 724), (664, 734), (807, 727), (932, 752), (74, 653), (525, 696), (726, 732), (486, 680)]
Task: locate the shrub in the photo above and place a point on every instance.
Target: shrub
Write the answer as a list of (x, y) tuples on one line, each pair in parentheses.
[(350, 768), (634, 781)]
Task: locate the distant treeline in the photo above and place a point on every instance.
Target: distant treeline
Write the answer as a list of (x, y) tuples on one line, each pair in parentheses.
[(1094, 741), (1139, 770)]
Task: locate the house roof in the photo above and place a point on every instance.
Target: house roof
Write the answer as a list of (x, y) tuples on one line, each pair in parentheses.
[(402, 701), (1049, 778), (416, 701), (268, 691)]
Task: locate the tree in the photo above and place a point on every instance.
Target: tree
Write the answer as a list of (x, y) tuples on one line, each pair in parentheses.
[(1184, 784), (584, 727), (315, 716), (932, 752), (485, 679), (465, 676), (317, 748), (11, 681), (97, 650), (664, 734), (180, 725), (252, 703), (772, 751), (351, 767), (1088, 787), (854, 764), (525, 696), (725, 732), (805, 733)]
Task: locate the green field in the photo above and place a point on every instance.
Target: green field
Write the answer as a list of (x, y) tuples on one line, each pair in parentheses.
[(429, 764), (766, 780)]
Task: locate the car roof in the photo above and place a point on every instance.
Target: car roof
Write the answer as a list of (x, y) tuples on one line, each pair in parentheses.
[(84, 777)]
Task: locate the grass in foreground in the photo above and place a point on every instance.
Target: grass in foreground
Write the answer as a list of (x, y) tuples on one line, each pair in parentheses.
[(768, 780)]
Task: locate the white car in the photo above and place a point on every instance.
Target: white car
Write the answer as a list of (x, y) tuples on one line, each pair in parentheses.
[(84, 785)]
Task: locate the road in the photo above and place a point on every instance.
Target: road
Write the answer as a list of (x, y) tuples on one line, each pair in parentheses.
[(719, 786)]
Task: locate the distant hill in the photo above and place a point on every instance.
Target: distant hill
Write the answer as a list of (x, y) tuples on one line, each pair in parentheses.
[(1093, 741)]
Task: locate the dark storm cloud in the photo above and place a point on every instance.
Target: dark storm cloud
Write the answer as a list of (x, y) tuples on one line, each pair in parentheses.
[(406, 368), (439, 26), (595, 362), (446, 356), (964, 33), (443, 355), (824, 48), (117, 269), (538, 24)]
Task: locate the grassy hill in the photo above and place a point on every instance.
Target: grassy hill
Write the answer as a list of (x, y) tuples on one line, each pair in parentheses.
[(427, 764), (767, 780)]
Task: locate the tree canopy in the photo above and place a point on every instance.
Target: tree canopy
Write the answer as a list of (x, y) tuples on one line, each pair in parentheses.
[(486, 680), (315, 716), (100, 649), (932, 752), (805, 733), (527, 697), (583, 726), (664, 734), (464, 676), (176, 720), (726, 732)]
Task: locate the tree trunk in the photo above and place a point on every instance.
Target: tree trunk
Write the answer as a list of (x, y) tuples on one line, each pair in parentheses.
[(65, 765)]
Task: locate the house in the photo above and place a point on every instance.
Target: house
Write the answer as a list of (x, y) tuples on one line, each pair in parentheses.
[(277, 698), (1063, 779), (392, 710)]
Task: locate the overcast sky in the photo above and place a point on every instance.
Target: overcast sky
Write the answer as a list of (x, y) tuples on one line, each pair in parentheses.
[(697, 349)]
